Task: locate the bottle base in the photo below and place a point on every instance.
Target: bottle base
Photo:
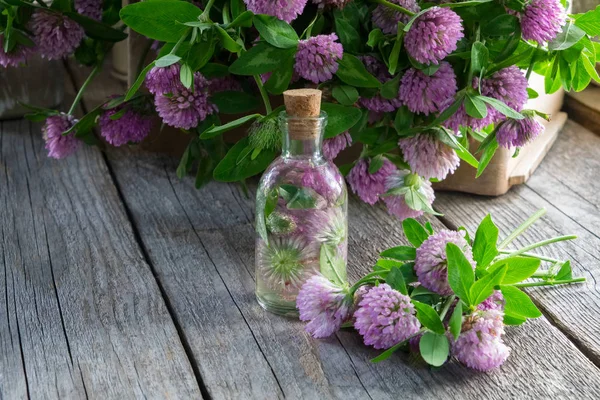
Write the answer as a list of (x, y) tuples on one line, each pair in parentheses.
[(278, 307)]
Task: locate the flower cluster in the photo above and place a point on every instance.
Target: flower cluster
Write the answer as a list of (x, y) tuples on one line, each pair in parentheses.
[(178, 106), (412, 83), (438, 304)]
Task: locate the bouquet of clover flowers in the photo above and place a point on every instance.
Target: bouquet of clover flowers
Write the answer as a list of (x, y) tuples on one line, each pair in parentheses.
[(447, 295), (413, 82), (54, 31)]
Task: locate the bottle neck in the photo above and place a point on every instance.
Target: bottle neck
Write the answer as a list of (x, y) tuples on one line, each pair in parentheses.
[(307, 148), (302, 137)]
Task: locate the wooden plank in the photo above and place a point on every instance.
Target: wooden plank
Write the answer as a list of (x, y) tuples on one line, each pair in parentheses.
[(242, 351), (584, 107), (203, 240), (83, 307), (566, 184), (175, 221)]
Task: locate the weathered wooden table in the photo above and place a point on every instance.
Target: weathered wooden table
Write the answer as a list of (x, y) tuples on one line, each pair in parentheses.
[(117, 280)]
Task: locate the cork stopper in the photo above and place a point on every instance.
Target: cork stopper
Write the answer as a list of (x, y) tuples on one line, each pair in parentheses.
[(303, 106)]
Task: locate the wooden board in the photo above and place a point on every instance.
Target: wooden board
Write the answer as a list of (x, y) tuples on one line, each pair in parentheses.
[(567, 185), (584, 107), (84, 315), (200, 245)]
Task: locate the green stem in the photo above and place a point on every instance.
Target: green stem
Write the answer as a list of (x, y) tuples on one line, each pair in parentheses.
[(542, 275), (181, 39), (447, 306), (308, 30), (142, 61), (263, 94), (207, 9), (532, 63), (524, 226), (541, 244), (89, 79), (394, 7), (366, 279), (548, 283), (532, 255)]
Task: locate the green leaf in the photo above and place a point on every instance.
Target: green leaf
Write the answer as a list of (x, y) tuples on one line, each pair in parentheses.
[(227, 41), (260, 59), (204, 172), (352, 71), (159, 19), (414, 232), (375, 36), (484, 287), (349, 36), (475, 107), (565, 272), (333, 267), (429, 318), (518, 268), (450, 139), (486, 240), (402, 253), (488, 153), (297, 198), (434, 348), (501, 107), (590, 68), (229, 171), (479, 58), (167, 60), (201, 53), (395, 279), (518, 304), (532, 94), (448, 112), (345, 95), (569, 35), (275, 31), (339, 118), (243, 20), (217, 130), (395, 53), (280, 78), (589, 22), (186, 76), (96, 29), (389, 90), (186, 161), (138, 82), (404, 119), (460, 272), (375, 164), (214, 70), (455, 323), (581, 77), (502, 25), (234, 102), (512, 320)]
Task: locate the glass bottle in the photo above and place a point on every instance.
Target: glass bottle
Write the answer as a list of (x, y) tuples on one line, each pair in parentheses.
[(301, 209)]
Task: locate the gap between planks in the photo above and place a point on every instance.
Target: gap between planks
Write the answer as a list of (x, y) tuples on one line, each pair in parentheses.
[(182, 337)]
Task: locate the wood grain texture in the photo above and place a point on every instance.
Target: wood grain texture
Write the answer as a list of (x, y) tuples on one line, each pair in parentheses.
[(201, 238), (241, 350), (566, 184), (84, 316), (201, 245)]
